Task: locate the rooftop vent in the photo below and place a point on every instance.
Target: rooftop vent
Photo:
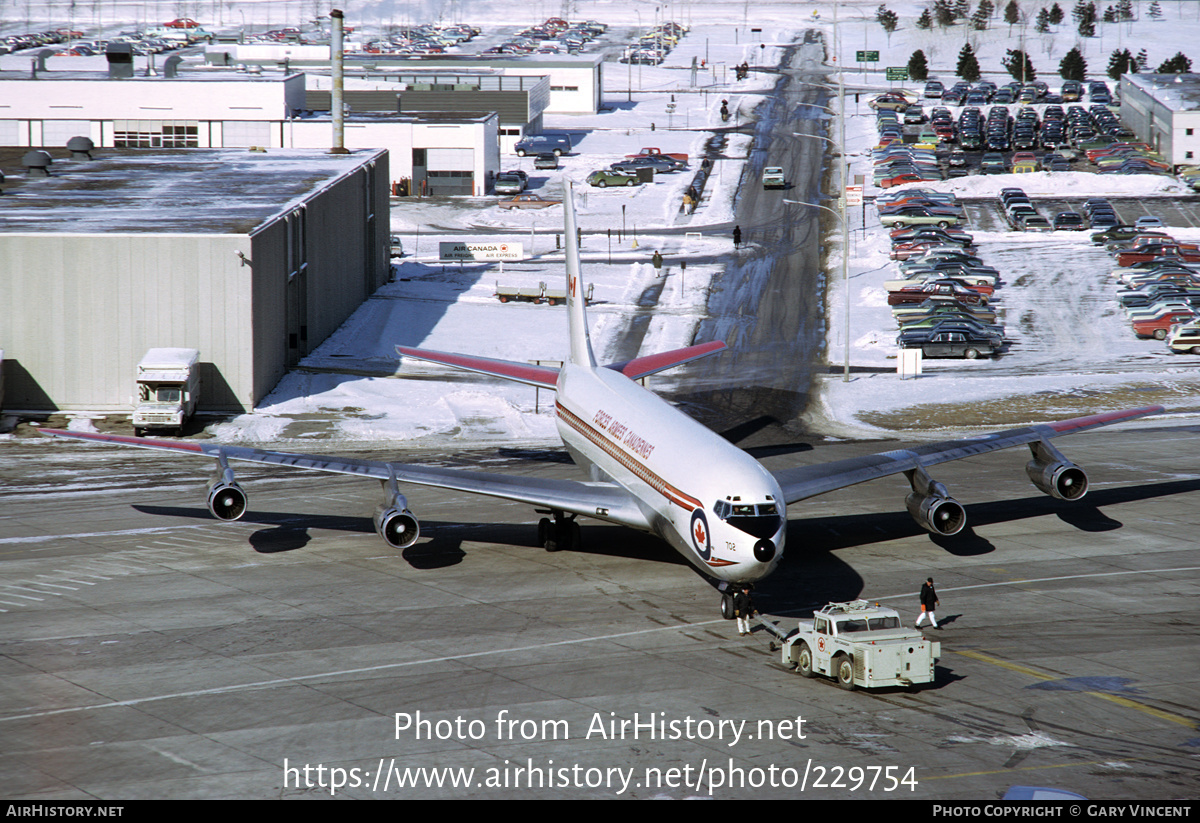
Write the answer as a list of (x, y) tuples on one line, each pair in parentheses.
[(37, 163), (120, 60), (171, 67), (80, 148)]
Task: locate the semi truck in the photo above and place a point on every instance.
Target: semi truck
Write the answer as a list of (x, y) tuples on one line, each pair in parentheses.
[(168, 386)]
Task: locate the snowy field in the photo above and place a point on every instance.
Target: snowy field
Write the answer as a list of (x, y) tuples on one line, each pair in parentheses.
[(1072, 353)]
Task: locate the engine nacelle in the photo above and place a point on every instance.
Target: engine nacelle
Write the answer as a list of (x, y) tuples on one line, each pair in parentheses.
[(1063, 480), (396, 524), (938, 514), (226, 500)]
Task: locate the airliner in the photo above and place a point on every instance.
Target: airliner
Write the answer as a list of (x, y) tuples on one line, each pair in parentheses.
[(649, 466)]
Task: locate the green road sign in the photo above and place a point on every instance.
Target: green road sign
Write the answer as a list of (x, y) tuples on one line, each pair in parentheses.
[(866, 57), (897, 73)]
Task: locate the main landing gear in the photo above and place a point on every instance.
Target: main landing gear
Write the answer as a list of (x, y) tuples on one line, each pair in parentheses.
[(560, 534)]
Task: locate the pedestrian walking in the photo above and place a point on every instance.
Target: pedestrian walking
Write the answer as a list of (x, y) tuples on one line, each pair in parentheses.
[(743, 610), (929, 602), (656, 261), (737, 236)]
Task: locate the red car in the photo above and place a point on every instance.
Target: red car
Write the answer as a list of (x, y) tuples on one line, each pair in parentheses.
[(182, 23), (1159, 326), (1154, 251)]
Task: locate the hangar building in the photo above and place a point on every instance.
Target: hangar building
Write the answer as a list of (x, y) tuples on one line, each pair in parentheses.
[(252, 257)]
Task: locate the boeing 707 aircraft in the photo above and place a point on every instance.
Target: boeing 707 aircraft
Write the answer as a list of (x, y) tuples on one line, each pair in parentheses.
[(650, 466)]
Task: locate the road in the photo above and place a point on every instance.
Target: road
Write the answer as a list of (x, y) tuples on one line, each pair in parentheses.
[(768, 304)]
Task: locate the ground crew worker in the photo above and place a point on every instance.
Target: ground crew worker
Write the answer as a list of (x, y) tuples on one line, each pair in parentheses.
[(743, 610), (737, 236), (929, 602), (656, 261)]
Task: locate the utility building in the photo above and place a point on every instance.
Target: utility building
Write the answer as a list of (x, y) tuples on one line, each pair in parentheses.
[(252, 257), (1164, 111)]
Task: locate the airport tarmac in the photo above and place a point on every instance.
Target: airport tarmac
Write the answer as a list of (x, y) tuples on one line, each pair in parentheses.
[(150, 651)]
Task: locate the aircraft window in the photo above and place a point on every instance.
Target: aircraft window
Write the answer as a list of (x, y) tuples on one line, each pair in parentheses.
[(884, 623), (762, 520)]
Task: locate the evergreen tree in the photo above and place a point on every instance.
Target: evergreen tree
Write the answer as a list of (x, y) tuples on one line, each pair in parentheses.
[(925, 21), (888, 19), (1155, 11), (918, 66), (968, 64), (979, 20), (1018, 64), (1087, 19), (961, 9), (986, 9), (1079, 13), (1043, 21), (1120, 63), (1073, 66), (1179, 64), (1125, 9), (1142, 60), (1056, 14), (943, 12), (1110, 15), (1012, 14)]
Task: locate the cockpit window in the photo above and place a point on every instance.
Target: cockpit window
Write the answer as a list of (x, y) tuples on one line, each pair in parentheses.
[(755, 519)]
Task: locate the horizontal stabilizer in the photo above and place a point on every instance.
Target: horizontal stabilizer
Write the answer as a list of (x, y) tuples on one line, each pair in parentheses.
[(540, 376), (643, 366)]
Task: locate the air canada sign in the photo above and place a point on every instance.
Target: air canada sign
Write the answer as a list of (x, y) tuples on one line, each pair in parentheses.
[(467, 252)]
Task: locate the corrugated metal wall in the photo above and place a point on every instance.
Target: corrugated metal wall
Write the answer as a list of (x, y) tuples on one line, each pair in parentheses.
[(79, 311)]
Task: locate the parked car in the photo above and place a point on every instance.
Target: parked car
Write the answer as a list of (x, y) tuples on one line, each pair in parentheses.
[(661, 165), (528, 201), (916, 215), (546, 160), (1184, 338), (1069, 221), (951, 342), (611, 177), (397, 246), (509, 183)]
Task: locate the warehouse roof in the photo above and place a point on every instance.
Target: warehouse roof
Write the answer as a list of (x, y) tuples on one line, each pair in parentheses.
[(165, 191)]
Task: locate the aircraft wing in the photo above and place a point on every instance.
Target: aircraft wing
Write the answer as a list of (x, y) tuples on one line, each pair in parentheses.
[(541, 376), (807, 481), (605, 501)]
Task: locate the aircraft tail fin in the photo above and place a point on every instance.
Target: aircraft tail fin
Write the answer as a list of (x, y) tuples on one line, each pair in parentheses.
[(581, 343)]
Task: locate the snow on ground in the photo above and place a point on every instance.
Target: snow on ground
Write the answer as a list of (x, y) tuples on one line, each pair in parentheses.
[(1071, 352)]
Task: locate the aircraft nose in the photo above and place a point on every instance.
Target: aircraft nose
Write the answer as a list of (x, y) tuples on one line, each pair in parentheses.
[(764, 551)]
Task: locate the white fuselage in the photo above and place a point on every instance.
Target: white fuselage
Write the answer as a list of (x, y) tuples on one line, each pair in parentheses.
[(710, 500)]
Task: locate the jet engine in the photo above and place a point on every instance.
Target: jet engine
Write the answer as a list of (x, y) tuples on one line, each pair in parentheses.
[(940, 515), (931, 505), (1065, 481), (1054, 474), (226, 500), (396, 524)]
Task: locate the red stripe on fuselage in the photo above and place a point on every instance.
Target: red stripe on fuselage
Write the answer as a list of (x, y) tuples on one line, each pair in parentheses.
[(639, 469)]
